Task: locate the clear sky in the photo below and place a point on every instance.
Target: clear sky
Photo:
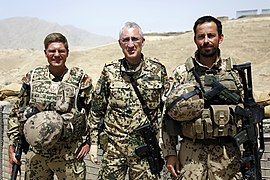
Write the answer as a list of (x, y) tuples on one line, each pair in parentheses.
[(105, 17)]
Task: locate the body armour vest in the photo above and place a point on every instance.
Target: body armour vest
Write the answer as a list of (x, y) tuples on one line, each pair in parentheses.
[(61, 97), (222, 92)]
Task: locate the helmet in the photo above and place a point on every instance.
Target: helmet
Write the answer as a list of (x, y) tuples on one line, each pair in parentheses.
[(42, 130), (184, 102)]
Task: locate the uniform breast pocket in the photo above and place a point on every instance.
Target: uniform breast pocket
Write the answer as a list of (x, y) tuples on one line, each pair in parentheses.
[(119, 94), (152, 93)]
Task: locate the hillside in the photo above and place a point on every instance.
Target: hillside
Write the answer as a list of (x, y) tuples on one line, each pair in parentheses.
[(246, 39), (29, 33)]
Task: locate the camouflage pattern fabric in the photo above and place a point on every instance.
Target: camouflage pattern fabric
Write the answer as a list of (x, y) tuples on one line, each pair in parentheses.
[(192, 153), (42, 167), (115, 102), (116, 163), (184, 103), (40, 89), (43, 130), (213, 162)]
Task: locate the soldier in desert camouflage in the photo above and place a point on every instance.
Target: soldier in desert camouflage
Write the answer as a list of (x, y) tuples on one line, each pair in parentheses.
[(51, 114), (117, 107), (206, 124)]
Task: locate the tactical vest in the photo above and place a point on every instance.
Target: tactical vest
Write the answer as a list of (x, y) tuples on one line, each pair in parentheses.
[(60, 97), (218, 117)]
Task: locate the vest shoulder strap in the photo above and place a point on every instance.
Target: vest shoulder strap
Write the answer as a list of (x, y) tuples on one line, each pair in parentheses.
[(229, 63), (39, 73), (75, 76)]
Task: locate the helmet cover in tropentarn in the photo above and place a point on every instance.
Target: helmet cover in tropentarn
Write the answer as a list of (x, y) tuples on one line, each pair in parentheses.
[(184, 102), (43, 129)]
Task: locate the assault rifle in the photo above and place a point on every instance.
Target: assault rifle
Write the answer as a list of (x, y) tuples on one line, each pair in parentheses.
[(21, 146), (222, 93), (252, 131), (150, 149)]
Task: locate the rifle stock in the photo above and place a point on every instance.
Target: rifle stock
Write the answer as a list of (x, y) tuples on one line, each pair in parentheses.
[(222, 92)]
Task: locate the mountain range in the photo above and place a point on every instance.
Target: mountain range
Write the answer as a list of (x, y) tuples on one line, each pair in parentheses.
[(29, 33)]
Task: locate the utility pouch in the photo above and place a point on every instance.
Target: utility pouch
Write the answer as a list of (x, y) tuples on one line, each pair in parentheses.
[(206, 116), (201, 128), (221, 118), (198, 128)]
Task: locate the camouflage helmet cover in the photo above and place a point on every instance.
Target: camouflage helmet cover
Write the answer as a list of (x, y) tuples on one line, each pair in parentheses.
[(43, 129), (184, 102)]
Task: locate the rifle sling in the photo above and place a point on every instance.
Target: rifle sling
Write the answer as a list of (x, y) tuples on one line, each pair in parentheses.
[(146, 110), (185, 96), (156, 163), (198, 80)]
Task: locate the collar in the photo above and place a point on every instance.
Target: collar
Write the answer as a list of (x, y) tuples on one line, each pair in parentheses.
[(129, 69), (215, 67), (57, 78)]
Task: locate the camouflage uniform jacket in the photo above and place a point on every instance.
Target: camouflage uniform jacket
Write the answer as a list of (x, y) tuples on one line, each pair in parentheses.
[(116, 104), (15, 125), (182, 76)]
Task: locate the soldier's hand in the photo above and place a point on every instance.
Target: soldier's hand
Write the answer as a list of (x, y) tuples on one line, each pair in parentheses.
[(94, 154), (12, 158), (172, 164), (82, 151)]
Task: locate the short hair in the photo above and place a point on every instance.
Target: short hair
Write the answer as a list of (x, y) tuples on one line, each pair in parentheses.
[(129, 25), (55, 37), (204, 19)]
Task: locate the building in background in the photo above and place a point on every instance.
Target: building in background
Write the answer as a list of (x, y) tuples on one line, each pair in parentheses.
[(266, 11), (252, 12), (244, 13)]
